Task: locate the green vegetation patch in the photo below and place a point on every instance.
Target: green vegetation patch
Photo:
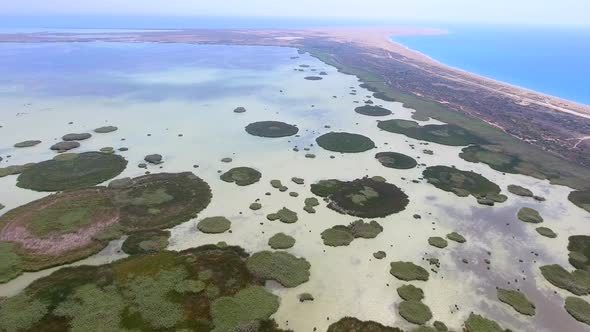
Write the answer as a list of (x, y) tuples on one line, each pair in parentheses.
[(520, 191), (146, 242), (352, 324), (371, 110), (203, 289), (517, 300), (478, 323), (546, 232), (579, 251), (85, 170), (214, 225), (581, 199), (10, 262), (443, 134), (527, 214), (27, 144), (345, 142), (415, 312), (437, 241), (408, 271), (14, 169), (578, 308), (365, 198), (242, 176), (410, 293), (462, 183), (284, 215), (337, 236), (271, 129), (163, 200), (281, 241), (396, 160), (454, 236), (577, 282), (105, 129), (250, 304), (286, 269)]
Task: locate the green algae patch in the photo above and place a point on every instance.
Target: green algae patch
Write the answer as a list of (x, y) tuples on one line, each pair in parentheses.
[(462, 183), (345, 142), (410, 293), (579, 251), (437, 241), (365, 198), (454, 236), (163, 200), (546, 232), (371, 110), (86, 169), (478, 323), (286, 269), (517, 300), (249, 304), (352, 324), (396, 160), (577, 282), (578, 308), (529, 215), (242, 176), (206, 288), (520, 191), (337, 236), (146, 242), (443, 134), (281, 241), (27, 144), (415, 312), (284, 215), (214, 225), (10, 262), (581, 199), (272, 129), (408, 271)]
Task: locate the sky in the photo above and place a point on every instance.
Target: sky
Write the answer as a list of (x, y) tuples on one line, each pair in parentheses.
[(543, 12)]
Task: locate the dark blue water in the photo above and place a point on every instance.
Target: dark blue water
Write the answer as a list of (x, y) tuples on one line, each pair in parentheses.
[(555, 61)]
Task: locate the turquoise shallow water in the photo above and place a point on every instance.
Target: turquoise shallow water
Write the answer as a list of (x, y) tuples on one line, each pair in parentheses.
[(550, 60)]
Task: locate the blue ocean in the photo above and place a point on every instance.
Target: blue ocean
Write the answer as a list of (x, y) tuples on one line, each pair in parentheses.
[(552, 60)]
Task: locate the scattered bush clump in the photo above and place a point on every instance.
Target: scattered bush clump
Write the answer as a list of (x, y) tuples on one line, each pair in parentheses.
[(340, 235), (454, 236), (27, 144), (408, 271), (579, 251), (281, 241), (284, 215), (415, 312), (578, 308), (396, 160), (76, 137), (345, 142), (379, 254), (214, 225), (372, 110), (271, 129), (520, 191), (365, 198), (443, 134), (255, 206), (478, 323), (78, 171), (286, 269), (437, 241), (577, 282), (410, 293), (516, 300), (546, 232), (529, 215), (105, 129), (242, 176)]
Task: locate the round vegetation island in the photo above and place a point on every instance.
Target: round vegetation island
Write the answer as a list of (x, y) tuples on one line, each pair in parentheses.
[(280, 266), (349, 324), (577, 282), (27, 144), (242, 176), (214, 225), (581, 199), (281, 241), (396, 160), (442, 134), (371, 110), (341, 235), (527, 214), (477, 323), (365, 198), (517, 300), (410, 293), (271, 129), (72, 171), (75, 224), (146, 242), (579, 251), (157, 290), (345, 142), (463, 183), (415, 312), (578, 308), (408, 271)]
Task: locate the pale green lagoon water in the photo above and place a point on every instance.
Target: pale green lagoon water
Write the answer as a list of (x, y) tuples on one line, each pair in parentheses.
[(171, 89)]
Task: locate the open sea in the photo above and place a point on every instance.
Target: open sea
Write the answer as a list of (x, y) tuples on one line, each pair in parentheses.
[(555, 61)]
